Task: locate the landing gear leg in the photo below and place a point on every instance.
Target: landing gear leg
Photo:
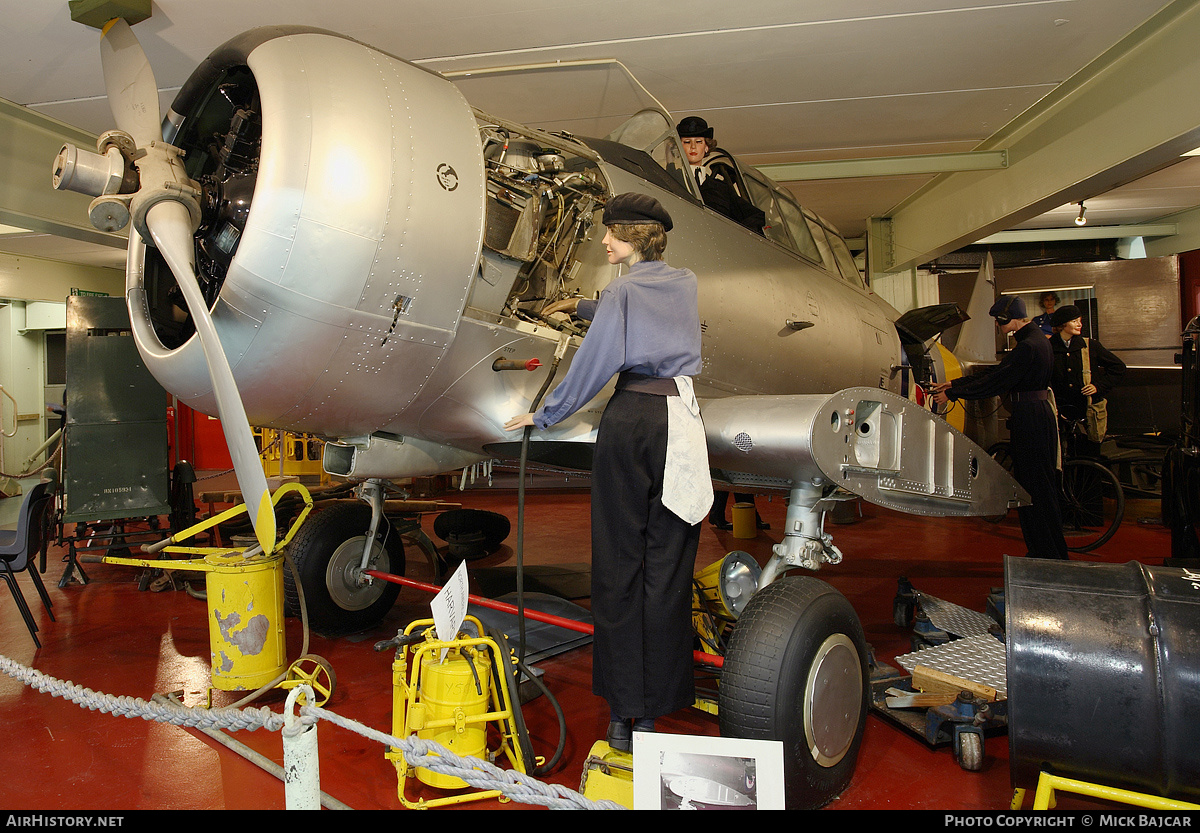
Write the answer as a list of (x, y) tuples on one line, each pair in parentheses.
[(805, 543)]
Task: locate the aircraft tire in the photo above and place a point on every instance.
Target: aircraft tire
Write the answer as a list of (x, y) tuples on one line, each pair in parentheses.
[(326, 552), (796, 671)]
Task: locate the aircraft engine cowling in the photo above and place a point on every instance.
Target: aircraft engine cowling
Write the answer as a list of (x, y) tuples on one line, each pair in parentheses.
[(343, 209)]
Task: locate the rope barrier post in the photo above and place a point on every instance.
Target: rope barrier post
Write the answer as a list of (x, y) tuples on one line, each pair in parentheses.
[(301, 762)]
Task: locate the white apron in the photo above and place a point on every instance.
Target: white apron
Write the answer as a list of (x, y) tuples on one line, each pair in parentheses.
[(687, 484)]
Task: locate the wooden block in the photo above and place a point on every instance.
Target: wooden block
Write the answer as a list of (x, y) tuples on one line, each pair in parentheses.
[(931, 680)]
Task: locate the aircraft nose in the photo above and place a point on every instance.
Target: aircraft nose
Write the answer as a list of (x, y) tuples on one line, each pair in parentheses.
[(364, 231)]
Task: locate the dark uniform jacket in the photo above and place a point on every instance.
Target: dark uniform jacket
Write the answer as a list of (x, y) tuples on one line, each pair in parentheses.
[(719, 189), (1026, 368), (1067, 380), (1025, 374)]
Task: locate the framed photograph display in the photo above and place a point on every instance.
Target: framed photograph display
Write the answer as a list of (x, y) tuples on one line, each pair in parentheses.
[(688, 772)]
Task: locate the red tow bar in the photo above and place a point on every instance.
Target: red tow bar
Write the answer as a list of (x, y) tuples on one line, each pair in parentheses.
[(547, 618)]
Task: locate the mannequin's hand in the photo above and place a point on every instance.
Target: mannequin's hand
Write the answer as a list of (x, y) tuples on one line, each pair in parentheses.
[(518, 422)]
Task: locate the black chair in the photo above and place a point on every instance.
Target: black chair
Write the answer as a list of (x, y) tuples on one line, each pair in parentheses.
[(19, 547)]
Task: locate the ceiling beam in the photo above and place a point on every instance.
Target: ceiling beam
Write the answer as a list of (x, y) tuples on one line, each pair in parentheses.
[(31, 141), (930, 163), (1185, 239), (1034, 235), (1122, 116)]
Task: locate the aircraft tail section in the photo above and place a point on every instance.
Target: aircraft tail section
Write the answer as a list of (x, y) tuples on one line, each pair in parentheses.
[(977, 339)]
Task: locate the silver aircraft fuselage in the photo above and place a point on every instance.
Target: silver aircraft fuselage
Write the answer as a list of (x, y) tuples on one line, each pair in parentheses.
[(366, 293)]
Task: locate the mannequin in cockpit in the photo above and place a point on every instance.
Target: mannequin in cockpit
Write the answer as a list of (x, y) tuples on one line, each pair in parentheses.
[(716, 174)]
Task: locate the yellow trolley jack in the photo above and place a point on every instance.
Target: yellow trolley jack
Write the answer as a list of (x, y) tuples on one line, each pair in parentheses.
[(447, 691), (245, 598)]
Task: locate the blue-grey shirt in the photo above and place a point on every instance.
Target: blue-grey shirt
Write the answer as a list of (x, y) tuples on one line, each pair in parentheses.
[(646, 321)]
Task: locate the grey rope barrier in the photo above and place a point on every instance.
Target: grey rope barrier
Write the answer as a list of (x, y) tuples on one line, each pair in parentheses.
[(478, 773), (514, 785)]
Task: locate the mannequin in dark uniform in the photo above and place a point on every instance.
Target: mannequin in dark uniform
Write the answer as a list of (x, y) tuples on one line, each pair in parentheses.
[(1049, 301), (1024, 374), (719, 186), (646, 506), (1071, 393), (717, 175)]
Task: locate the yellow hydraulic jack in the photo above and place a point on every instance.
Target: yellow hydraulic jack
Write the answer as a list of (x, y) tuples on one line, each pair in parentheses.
[(449, 700), (245, 598)]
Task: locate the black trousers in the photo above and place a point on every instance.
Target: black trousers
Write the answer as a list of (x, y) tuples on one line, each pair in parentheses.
[(1034, 442), (643, 558)]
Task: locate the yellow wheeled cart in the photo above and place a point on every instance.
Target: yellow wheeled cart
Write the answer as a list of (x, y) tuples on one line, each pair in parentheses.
[(245, 598), (447, 691)]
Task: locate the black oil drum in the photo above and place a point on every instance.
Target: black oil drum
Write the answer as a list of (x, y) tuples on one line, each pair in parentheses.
[(1104, 674)]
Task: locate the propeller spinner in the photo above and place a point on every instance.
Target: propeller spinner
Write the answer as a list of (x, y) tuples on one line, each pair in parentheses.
[(165, 211)]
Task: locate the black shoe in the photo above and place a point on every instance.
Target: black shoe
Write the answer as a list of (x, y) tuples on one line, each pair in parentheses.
[(619, 735), (763, 524), (724, 525), (643, 724)]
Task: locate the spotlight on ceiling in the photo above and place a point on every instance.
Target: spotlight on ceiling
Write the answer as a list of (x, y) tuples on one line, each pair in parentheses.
[(1081, 220)]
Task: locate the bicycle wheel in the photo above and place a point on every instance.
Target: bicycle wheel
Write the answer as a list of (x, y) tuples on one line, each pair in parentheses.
[(1093, 504)]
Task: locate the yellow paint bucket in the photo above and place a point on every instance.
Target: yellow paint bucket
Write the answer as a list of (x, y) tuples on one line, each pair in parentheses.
[(745, 520), (245, 622)]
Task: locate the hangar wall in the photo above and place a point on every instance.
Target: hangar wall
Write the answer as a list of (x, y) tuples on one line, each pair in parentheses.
[(33, 294)]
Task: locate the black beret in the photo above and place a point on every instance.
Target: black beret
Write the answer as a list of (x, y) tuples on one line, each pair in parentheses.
[(1064, 314), (635, 208), (694, 127), (1008, 306)]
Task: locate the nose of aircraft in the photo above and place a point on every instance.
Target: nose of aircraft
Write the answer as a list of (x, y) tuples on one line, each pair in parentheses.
[(352, 263)]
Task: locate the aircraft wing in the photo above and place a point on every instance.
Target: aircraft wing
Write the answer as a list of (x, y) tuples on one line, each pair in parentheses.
[(870, 442)]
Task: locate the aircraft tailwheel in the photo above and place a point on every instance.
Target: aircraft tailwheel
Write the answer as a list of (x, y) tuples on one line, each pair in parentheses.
[(327, 553), (796, 671), (314, 671)]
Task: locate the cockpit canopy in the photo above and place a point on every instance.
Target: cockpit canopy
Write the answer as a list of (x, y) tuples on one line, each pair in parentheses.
[(788, 223)]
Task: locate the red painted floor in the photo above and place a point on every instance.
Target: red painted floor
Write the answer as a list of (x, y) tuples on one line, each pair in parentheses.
[(113, 638)]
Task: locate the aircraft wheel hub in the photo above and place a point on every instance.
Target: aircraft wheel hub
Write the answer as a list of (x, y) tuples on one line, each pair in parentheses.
[(347, 586), (831, 697)]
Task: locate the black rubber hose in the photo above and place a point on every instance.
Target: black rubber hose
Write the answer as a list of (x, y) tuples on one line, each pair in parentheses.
[(510, 681), (521, 512), (552, 762), (518, 717)]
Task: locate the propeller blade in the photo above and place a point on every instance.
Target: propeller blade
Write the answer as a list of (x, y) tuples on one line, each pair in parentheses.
[(171, 227), (129, 79)]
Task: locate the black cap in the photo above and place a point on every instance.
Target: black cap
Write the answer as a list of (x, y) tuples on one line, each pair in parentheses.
[(636, 208), (1008, 307), (694, 127), (1064, 314)]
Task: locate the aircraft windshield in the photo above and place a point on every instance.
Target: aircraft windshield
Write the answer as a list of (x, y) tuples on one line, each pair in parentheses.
[(652, 132)]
